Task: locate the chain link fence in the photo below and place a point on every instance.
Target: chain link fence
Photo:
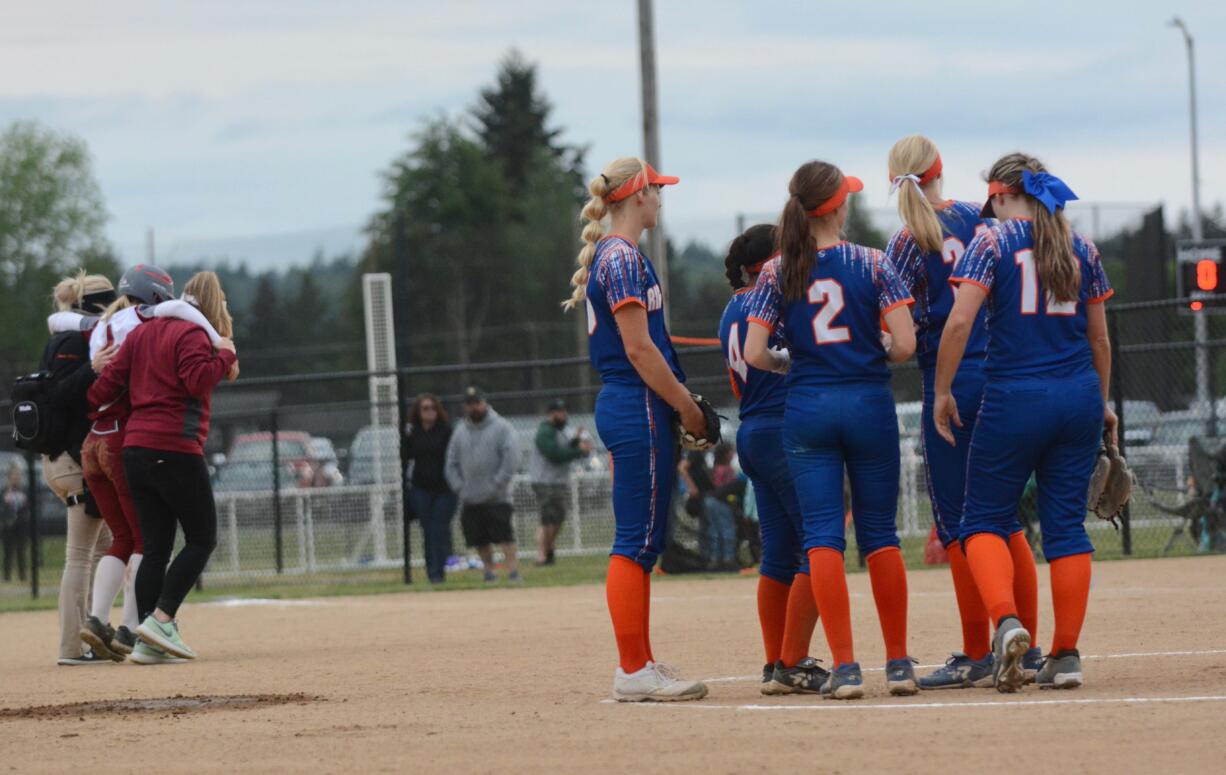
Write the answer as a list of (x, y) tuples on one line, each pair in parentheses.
[(325, 503)]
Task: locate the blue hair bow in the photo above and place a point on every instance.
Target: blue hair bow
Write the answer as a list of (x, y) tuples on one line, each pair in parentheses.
[(1048, 189)]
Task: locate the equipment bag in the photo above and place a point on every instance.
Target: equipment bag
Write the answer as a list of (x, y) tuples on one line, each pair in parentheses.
[(34, 424)]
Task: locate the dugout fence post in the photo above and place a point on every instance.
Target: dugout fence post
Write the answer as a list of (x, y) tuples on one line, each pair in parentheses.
[(1117, 382), (406, 513), (32, 500), (276, 491)]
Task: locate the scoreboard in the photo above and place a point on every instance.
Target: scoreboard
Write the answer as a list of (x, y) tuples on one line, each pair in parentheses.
[(1200, 272)]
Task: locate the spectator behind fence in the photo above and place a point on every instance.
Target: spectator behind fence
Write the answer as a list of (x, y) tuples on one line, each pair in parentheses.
[(14, 513), (480, 464), (704, 499), (554, 450), (432, 500)]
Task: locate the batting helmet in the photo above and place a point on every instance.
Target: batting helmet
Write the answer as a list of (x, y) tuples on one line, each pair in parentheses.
[(147, 284)]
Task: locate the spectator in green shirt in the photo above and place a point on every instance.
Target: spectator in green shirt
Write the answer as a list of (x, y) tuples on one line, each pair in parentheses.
[(553, 451)]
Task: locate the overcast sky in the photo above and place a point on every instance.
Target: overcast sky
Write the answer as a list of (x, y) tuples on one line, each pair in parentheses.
[(229, 119)]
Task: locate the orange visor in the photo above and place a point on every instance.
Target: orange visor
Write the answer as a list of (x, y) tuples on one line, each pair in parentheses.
[(850, 186), (645, 177), (995, 187), (932, 172)]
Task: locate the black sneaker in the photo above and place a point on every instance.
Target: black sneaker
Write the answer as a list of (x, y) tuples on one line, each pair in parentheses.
[(88, 658), (124, 642), (98, 637), (806, 677)]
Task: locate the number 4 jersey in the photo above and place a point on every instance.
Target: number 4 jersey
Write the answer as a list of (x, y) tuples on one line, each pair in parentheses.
[(1030, 333), (760, 392), (834, 330)]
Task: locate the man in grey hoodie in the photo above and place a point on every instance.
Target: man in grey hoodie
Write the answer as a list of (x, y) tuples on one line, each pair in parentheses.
[(481, 459)]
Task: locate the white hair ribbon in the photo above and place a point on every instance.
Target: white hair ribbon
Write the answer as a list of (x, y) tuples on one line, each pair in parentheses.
[(898, 180)]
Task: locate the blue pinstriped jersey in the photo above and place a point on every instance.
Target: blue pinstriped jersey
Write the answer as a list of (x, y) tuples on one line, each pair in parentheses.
[(834, 330), (621, 275), (926, 275), (1030, 333), (760, 392)]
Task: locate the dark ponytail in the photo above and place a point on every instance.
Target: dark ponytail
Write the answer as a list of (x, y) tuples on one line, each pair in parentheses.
[(811, 185), (752, 247)]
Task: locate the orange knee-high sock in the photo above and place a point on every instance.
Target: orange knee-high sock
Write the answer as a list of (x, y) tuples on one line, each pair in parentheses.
[(1070, 592), (624, 591), (976, 634), (992, 566), (647, 615), (1025, 585), (830, 593), (802, 618), (772, 615), (889, 580)]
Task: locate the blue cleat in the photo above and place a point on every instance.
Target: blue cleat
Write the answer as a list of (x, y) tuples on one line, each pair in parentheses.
[(960, 672), (1032, 662), (845, 683), (900, 677)]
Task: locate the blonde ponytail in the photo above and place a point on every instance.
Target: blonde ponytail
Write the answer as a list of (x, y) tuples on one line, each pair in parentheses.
[(1054, 259), (123, 302), (594, 212), (916, 155), (70, 292)]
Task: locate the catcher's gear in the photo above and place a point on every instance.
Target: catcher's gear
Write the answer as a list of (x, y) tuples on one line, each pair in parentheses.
[(710, 436), (1110, 483)]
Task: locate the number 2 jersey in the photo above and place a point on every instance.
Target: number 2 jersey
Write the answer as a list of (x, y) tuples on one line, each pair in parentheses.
[(926, 275), (760, 392), (834, 330), (1031, 334), (622, 275)]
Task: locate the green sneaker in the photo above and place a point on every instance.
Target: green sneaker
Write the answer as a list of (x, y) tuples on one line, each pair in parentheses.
[(164, 636), (144, 654)]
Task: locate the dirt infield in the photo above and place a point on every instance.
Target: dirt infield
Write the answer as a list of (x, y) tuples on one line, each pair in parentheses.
[(514, 680)]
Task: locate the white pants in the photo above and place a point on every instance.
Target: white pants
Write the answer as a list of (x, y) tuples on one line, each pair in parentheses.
[(88, 539)]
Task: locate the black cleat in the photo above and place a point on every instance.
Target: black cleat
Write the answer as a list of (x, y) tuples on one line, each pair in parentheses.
[(806, 677), (124, 642), (98, 637)]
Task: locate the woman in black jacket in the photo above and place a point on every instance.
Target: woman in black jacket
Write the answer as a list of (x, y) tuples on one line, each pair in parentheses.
[(431, 499)]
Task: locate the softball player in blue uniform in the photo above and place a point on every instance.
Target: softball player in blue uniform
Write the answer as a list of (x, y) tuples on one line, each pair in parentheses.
[(935, 235), (642, 392), (786, 609), (828, 299), (1044, 406)]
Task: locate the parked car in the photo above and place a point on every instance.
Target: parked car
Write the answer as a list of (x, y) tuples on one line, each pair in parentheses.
[(1140, 423), (375, 456), (254, 475), (293, 447), (1175, 429)]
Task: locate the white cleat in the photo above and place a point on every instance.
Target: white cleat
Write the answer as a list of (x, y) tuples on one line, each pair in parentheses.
[(655, 683)]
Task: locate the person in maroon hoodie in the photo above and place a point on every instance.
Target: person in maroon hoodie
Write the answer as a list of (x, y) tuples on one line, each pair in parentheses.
[(170, 368)]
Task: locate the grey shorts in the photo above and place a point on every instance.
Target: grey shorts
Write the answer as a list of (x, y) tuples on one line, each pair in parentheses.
[(552, 500)]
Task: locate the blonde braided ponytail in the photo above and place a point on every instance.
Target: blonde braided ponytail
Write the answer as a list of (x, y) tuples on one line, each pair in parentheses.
[(595, 212)]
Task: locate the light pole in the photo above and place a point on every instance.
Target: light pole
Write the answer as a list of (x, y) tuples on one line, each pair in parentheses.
[(656, 245), (1201, 320)]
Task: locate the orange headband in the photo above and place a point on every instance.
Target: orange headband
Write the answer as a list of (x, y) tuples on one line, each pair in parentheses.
[(645, 177), (850, 186), (996, 187), (932, 172)]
